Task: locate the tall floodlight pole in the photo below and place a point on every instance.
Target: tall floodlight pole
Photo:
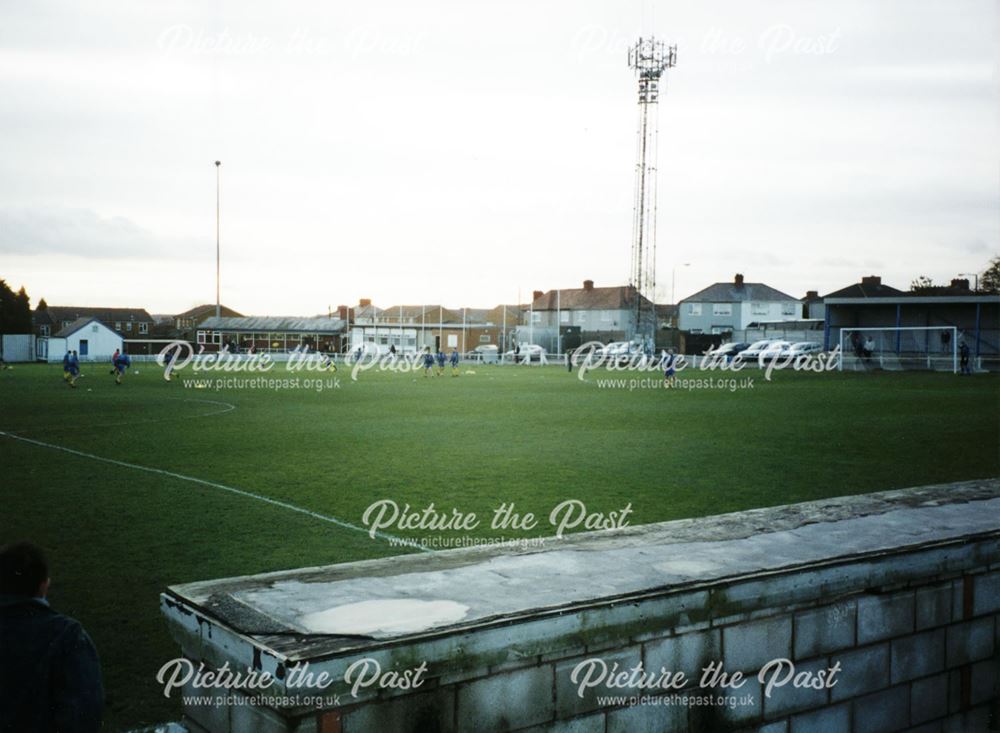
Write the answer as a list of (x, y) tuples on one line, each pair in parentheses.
[(218, 258), (650, 58)]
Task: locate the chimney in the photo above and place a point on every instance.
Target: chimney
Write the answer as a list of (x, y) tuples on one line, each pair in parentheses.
[(812, 295), (364, 302), (588, 285), (871, 280), (738, 280), (536, 294), (342, 311), (960, 283)]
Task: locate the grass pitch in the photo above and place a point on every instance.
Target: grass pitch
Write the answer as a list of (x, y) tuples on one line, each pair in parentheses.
[(159, 513)]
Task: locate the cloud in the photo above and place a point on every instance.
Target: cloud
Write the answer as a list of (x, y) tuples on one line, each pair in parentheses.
[(82, 232)]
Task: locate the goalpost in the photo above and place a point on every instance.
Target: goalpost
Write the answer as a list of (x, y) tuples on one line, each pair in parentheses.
[(899, 348)]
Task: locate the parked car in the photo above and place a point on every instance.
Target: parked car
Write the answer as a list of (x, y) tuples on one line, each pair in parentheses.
[(532, 351), (774, 350), (755, 349), (805, 347), (620, 351), (730, 350), (487, 353)]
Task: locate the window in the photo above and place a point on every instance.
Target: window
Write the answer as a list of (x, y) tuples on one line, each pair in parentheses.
[(452, 340), (43, 330), (143, 328), (564, 317), (484, 338), (788, 309), (118, 325), (93, 329), (722, 309), (201, 337), (128, 325), (759, 309), (694, 309), (536, 317), (606, 316), (581, 317)]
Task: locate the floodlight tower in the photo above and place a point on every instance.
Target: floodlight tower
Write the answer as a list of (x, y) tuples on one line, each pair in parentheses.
[(650, 58)]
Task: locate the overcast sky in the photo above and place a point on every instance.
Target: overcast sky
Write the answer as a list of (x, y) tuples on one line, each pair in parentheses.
[(462, 152)]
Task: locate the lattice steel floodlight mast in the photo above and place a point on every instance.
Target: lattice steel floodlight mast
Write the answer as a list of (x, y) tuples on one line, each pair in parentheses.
[(650, 58)]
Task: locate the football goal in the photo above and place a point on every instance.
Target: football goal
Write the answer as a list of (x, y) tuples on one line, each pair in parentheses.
[(897, 348)]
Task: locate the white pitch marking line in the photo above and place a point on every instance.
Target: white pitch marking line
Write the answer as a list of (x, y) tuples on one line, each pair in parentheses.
[(227, 407), (223, 487)]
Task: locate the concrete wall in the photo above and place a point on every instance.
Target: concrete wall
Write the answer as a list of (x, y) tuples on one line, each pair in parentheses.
[(900, 592)]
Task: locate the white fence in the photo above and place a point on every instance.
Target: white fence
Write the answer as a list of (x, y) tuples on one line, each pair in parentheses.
[(17, 347)]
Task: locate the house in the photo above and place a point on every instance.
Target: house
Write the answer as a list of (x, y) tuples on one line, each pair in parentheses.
[(126, 322), (812, 305), (270, 334), (584, 314), (733, 306), (90, 338), (187, 320), (365, 312)]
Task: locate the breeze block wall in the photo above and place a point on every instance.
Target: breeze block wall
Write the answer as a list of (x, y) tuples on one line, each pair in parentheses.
[(900, 589)]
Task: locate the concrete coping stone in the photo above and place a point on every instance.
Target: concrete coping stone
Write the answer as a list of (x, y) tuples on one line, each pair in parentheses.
[(392, 600)]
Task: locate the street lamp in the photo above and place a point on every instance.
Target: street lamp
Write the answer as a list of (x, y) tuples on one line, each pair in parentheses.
[(218, 259)]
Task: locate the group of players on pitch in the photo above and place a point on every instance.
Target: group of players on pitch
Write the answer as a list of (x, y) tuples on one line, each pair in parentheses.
[(429, 361), (439, 358), (71, 367)]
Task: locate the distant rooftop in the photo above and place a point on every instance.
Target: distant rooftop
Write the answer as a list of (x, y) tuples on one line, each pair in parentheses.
[(273, 323), (737, 291), (618, 297), (870, 287), (77, 325)]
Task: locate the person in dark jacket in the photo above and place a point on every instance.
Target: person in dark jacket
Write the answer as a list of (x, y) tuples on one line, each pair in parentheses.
[(122, 363), (50, 677), (963, 355)]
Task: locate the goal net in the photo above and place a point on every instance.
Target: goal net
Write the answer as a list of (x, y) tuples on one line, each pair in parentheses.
[(906, 347)]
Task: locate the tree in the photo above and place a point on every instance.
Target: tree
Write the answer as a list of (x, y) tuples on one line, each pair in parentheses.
[(15, 310), (22, 311), (922, 284), (989, 281), (42, 305)]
